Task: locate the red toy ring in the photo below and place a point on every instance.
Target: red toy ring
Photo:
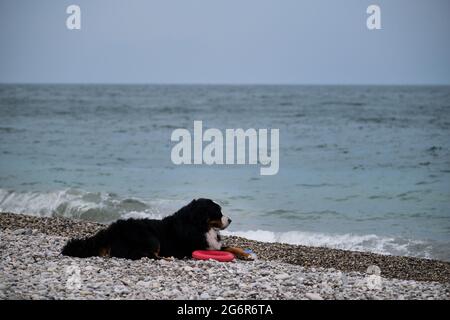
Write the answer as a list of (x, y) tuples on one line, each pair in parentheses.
[(222, 256)]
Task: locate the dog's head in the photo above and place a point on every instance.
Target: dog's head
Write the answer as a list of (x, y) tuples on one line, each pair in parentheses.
[(206, 214)]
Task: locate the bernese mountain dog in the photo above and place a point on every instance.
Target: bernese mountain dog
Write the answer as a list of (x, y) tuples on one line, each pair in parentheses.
[(194, 227)]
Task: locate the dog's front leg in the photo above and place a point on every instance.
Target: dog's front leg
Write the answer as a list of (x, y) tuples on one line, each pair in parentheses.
[(238, 252)]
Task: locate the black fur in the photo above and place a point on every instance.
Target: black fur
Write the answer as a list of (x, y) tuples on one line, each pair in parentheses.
[(176, 235)]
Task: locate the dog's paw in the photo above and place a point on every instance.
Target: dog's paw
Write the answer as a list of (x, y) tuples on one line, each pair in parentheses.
[(247, 256), (169, 259)]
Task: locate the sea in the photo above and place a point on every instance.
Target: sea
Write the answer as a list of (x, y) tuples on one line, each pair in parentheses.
[(363, 168)]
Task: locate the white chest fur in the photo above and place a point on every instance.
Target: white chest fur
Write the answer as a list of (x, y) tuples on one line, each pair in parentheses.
[(213, 239)]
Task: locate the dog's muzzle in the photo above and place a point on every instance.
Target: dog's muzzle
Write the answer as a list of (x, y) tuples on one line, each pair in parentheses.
[(225, 222)]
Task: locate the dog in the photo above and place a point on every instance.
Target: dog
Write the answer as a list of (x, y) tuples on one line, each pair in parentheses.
[(196, 226)]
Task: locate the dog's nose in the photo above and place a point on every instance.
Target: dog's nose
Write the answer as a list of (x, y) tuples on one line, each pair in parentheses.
[(229, 220)]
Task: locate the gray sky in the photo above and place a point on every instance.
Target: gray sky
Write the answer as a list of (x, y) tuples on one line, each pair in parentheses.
[(226, 41)]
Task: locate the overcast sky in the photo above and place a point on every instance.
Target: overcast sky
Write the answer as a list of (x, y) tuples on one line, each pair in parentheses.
[(225, 41)]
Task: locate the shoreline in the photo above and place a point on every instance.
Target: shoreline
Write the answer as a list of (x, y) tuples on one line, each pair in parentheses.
[(31, 245)]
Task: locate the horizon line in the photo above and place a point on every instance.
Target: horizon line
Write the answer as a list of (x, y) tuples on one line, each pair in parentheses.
[(224, 84)]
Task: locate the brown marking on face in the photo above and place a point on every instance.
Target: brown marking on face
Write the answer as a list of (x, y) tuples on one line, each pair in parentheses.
[(215, 223), (104, 252)]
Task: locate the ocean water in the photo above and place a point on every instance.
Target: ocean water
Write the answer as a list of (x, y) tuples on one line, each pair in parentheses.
[(361, 167)]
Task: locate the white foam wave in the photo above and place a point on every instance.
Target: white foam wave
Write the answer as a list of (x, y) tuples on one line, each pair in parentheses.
[(74, 203), (45, 203), (364, 243), (141, 215)]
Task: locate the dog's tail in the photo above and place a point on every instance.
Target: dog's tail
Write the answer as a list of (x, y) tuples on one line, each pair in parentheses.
[(83, 248)]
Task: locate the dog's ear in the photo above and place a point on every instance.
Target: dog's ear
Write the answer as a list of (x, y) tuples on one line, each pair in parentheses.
[(191, 204)]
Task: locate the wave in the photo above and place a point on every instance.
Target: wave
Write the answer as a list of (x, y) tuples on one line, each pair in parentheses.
[(363, 243), (95, 206)]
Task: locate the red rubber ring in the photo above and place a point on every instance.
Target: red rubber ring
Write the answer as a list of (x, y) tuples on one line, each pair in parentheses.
[(222, 256)]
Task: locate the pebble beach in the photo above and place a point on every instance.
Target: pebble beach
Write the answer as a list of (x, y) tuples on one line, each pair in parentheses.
[(31, 267)]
